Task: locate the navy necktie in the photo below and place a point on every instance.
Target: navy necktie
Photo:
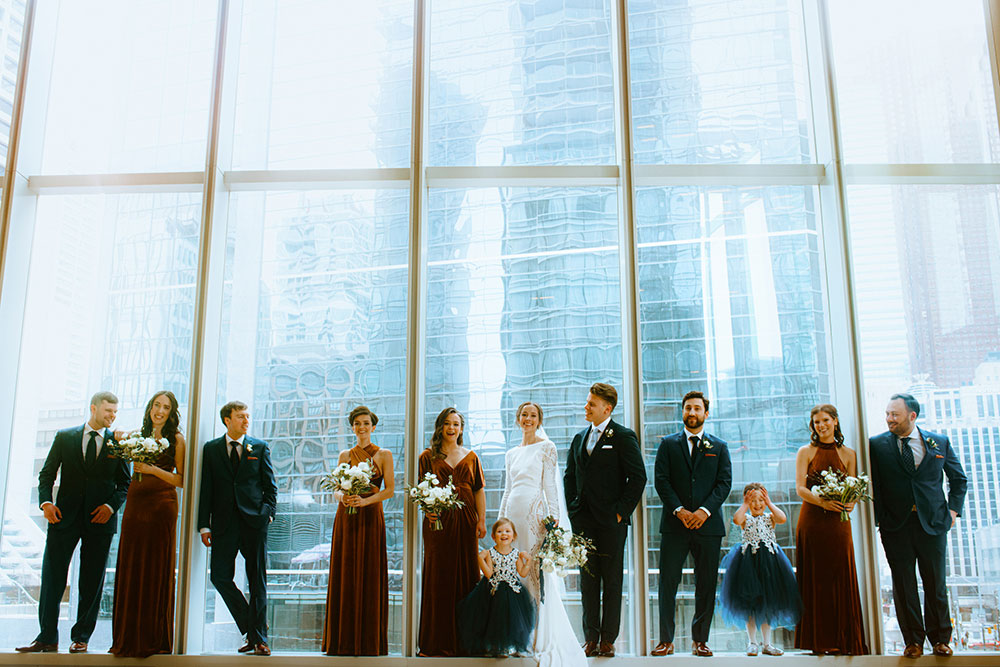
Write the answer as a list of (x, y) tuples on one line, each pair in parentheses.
[(694, 444), (907, 454), (234, 457), (91, 449)]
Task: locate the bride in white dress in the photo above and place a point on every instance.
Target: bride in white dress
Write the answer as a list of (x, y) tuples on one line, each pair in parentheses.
[(533, 490)]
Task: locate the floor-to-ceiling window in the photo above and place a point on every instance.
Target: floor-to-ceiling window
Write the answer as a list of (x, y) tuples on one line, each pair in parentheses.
[(475, 203)]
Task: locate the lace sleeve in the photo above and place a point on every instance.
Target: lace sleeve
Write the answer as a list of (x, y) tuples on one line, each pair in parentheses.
[(550, 480), (506, 485)]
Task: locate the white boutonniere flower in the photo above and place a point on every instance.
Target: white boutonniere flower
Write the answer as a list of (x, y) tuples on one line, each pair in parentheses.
[(249, 448), (610, 432), (931, 443), (705, 444)]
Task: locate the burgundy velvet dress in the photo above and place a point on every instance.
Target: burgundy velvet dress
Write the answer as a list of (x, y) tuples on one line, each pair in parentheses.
[(357, 597), (451, 569), (825, 568), (142, 619)]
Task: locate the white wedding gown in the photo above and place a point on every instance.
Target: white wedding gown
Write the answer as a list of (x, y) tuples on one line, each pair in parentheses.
[(532, 491)]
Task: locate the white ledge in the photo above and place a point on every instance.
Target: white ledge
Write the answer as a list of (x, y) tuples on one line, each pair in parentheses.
[(178, 181)]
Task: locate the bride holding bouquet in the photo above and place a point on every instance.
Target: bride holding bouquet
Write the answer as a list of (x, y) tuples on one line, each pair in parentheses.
[(532, 492)]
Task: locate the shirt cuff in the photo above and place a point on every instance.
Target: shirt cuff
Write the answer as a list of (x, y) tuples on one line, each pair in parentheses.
[(678, 509), (109, 507), (706, 510), (202, 531), (42, 506)]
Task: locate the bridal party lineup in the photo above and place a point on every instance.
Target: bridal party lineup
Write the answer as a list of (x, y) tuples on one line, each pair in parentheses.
[(494, 585)]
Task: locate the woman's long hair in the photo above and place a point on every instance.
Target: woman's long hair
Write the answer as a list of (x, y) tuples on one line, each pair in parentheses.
[(438, 437), (173, 423), (838, 435)]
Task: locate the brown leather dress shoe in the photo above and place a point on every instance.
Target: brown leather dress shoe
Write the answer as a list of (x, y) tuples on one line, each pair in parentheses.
[(943, 650), (663, 648), (262, 649), (38, 647), (607, 650), (701, 650), (913, 651), (590, 649), (78, 647), (246, 648)]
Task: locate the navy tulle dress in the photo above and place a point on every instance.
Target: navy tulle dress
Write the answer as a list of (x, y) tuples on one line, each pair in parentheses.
[(498, 616), (759, 580)]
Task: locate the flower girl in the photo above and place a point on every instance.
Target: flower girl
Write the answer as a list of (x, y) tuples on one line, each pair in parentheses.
[(498, 616), (759, 586)]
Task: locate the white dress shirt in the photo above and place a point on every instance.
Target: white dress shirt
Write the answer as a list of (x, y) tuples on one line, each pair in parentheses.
[(595, 435), (687, 439)]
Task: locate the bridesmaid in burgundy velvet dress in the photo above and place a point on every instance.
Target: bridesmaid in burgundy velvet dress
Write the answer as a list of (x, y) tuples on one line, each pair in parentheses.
[(143, 617), (828, 579), (450, 569), (357, 598)]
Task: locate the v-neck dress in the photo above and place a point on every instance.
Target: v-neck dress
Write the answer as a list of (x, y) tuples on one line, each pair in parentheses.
[(450, 569)]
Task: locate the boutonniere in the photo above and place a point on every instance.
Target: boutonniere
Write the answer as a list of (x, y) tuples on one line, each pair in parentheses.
[(249, 448), (931, 443), (705, 444), (610, 432)]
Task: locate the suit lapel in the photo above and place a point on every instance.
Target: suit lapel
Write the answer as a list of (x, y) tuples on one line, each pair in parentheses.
[(78, 447)]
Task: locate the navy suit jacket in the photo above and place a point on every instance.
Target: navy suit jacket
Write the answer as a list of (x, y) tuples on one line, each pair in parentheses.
[(702, 482), (83, 488), (895, 490), (608, 481), (252, 492)]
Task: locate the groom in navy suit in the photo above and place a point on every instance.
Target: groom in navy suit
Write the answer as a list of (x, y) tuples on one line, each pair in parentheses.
[(693, 476), (909, 466), (93, 484), (604, 480), (237, 503)]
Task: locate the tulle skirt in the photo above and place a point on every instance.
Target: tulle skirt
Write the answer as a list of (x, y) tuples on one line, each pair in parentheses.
[(495, 623), (761, 585)]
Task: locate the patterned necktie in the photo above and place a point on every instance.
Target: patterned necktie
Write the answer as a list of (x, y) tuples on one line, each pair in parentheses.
[(234, 456), (91, 449), (694, 444), (907, 454)]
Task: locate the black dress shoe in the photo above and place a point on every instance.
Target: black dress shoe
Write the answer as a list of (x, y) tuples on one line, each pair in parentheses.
[(38, 647), (78, 647)]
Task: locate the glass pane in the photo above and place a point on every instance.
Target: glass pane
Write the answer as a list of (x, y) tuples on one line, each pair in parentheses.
[(130, 86), (11, 27), (927, 270), (516, 82), (110, 307), (324, 85), (314, 324), (719, 82), (731, 304), (523, 303), (914, 81)]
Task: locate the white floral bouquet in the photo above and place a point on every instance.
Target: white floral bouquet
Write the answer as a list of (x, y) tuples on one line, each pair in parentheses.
[(844, 488), (138, 448), (349, 480), (433, 498), (561, 550)]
